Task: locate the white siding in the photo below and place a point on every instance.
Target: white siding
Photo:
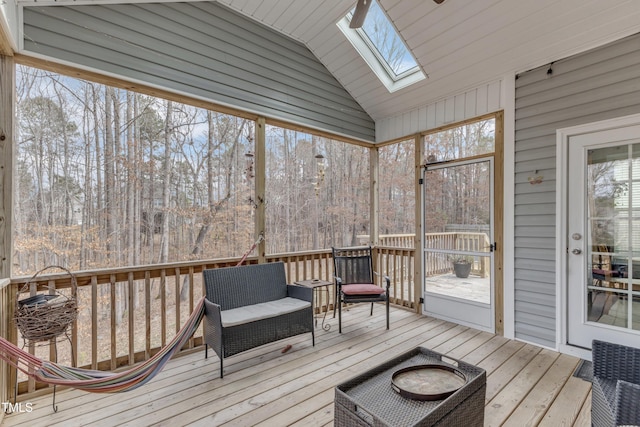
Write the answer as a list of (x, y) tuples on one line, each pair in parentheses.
[(467, 105)]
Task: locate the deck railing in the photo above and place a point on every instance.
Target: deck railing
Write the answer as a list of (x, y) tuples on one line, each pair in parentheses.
[(399, 265), (391, 240), (440, 263), (127, 314)]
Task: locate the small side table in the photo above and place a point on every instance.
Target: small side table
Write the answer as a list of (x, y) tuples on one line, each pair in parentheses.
[(317, 286)]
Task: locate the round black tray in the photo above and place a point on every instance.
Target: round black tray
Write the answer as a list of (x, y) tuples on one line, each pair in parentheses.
[(427, 382)]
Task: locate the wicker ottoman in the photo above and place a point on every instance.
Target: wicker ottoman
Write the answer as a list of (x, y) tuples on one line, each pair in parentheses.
[(369, 400)]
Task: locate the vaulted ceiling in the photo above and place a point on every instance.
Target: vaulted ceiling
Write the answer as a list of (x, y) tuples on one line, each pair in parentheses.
[(459, 44)]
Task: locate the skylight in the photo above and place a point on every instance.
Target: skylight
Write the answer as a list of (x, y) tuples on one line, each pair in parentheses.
[(383, 49)]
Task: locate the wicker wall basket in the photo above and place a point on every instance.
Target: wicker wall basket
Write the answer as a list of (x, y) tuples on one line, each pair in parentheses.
[(45, 316)]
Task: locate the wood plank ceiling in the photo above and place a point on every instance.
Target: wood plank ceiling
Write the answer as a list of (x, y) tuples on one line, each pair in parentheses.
[(460, 44)]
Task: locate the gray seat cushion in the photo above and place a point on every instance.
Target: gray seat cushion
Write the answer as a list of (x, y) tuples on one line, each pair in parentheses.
[(264, 310)]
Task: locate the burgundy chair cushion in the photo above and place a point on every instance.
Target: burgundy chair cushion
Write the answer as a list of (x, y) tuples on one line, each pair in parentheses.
[(362, 289)]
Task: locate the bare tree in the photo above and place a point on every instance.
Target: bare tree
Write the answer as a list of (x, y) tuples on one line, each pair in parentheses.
[(166, 175), (174, 177)]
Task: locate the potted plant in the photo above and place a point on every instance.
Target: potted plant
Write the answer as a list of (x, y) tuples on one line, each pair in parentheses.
[(462, 265)]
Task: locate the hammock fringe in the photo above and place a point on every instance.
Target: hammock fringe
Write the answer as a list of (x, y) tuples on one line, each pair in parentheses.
[(100, 381)]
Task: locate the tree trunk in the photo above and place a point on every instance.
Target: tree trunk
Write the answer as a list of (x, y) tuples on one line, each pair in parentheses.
[(99, 169), (109, 192), (117, 215), (109, 179), (131, 166), (214, 206), (86, 206), (166, 177), (137, 208)]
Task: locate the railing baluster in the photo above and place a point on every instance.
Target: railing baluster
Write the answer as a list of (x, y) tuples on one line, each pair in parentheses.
[(313, 266), (94, 322), (114, 321), (131, 311), (411, 258), (32, 347), (163, 308), (397, 280), (191, 300), (401, 264), (147, 313), (176, 282)]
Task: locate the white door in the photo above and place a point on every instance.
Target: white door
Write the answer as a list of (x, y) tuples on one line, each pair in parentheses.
[(458, 224), (603, 242)]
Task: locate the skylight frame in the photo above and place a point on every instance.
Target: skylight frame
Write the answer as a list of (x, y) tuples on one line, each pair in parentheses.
[(383, 61), (374, 58)]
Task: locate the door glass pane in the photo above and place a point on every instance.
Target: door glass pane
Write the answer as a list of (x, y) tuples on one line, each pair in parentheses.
[(608, 308), (613, 212), (458, 230)]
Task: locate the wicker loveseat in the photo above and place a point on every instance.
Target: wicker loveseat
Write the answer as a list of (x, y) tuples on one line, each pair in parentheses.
[(252, 305), (616, 385)]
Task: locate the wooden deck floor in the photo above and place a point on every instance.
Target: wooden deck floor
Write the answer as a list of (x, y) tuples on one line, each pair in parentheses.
[(526, 385)]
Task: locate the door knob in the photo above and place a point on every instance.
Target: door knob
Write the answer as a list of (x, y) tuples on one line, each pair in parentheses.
[(576, 251)]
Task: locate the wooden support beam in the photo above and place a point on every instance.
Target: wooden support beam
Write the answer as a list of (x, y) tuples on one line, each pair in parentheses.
[(374, 198), (418, 265), (6, 47), (7, 290), (260, 190), (498, 228), (7, 109)]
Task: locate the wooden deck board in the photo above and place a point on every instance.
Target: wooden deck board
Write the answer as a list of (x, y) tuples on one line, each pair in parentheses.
[(584, 417), (567, 405), (512, 394), (319, 418), (530, 411), (526, 385)]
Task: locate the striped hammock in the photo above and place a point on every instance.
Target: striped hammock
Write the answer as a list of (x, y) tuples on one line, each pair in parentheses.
[(100, 381)]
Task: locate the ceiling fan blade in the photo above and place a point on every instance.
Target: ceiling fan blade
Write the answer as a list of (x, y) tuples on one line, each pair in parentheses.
[(359, 15)]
